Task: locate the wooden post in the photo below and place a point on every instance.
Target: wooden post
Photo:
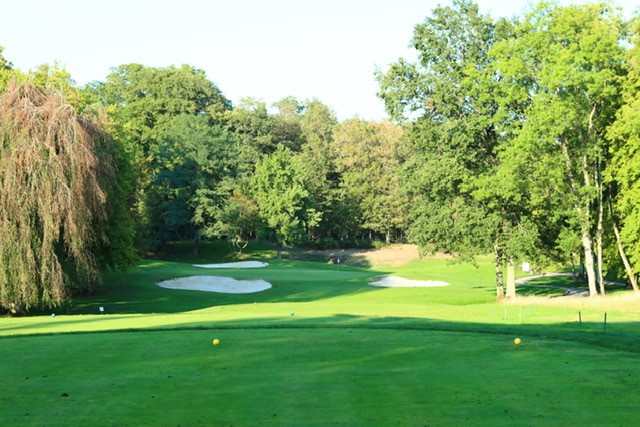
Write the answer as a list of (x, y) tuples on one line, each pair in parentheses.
[(580, 317)]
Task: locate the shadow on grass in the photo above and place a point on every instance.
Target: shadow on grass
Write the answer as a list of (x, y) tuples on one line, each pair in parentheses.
[(220, 251), (344, 257), (623, 336), (539, 291), (186, 251), (555, 286), (47, 323), (292, 281)]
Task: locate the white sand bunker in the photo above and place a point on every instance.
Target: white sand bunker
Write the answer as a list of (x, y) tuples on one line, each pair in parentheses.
[(241, 264), (401, 282), (219, 284)]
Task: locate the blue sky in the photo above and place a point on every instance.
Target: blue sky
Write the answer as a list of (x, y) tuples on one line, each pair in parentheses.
[(266, 49)]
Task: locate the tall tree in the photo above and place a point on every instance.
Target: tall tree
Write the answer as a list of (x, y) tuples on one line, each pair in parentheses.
[(453, 141), (238, 221), (567, 64), (54, 173), (622, 171), (56, 77), (117, 246), (368, 164), (283, 199), (287, 131), (142, 102), (317, 124), (252, 128), (192, 164)]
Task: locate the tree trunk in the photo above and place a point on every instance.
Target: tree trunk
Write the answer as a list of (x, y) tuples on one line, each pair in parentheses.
[(196, 246), (582, 206), (242, 245), (587, 238), (623, 255), (499, 279), (600, 228), (587, 245), (511, 278)]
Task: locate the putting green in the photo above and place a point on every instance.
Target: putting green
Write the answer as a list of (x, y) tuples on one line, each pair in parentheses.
[(312, 377)]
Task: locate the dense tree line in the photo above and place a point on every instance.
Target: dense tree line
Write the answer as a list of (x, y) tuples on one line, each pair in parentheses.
[(173, 160), (523, 137), (512, 137)]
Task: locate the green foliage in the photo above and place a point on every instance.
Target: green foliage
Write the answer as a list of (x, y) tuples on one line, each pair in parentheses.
[(143, 100), (192, 163), (142, 103), (566, 63), (252, 128), (282, 197), (57, 78), (117, 246), (6, 70), (310, 130), (451, 44), (46, 76), (287, 131), (317, 125), (624, 133), (454, 141), (238, 220), (368, 164), (317, 158)]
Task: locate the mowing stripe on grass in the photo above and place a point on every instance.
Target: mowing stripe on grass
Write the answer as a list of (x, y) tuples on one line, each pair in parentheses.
[(320, 376)]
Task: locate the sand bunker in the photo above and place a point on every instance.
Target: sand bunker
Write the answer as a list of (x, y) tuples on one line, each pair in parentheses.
[(241, 264), (225, 285), (401, 282)]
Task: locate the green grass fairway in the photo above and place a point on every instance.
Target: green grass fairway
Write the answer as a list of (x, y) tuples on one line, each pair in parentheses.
[(313, 377), (351, 354)]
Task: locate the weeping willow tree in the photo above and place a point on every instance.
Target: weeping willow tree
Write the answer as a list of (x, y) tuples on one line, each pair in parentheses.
[(53, 166)]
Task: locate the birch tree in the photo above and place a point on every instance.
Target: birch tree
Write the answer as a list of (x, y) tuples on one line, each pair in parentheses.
[(622, 172), (567, 64)]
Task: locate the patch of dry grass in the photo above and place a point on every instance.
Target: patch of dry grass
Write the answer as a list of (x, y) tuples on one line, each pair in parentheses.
[(387, 256)]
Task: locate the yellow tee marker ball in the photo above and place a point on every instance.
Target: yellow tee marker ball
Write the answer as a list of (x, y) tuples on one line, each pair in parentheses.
[(216, 342), (517, 341)]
